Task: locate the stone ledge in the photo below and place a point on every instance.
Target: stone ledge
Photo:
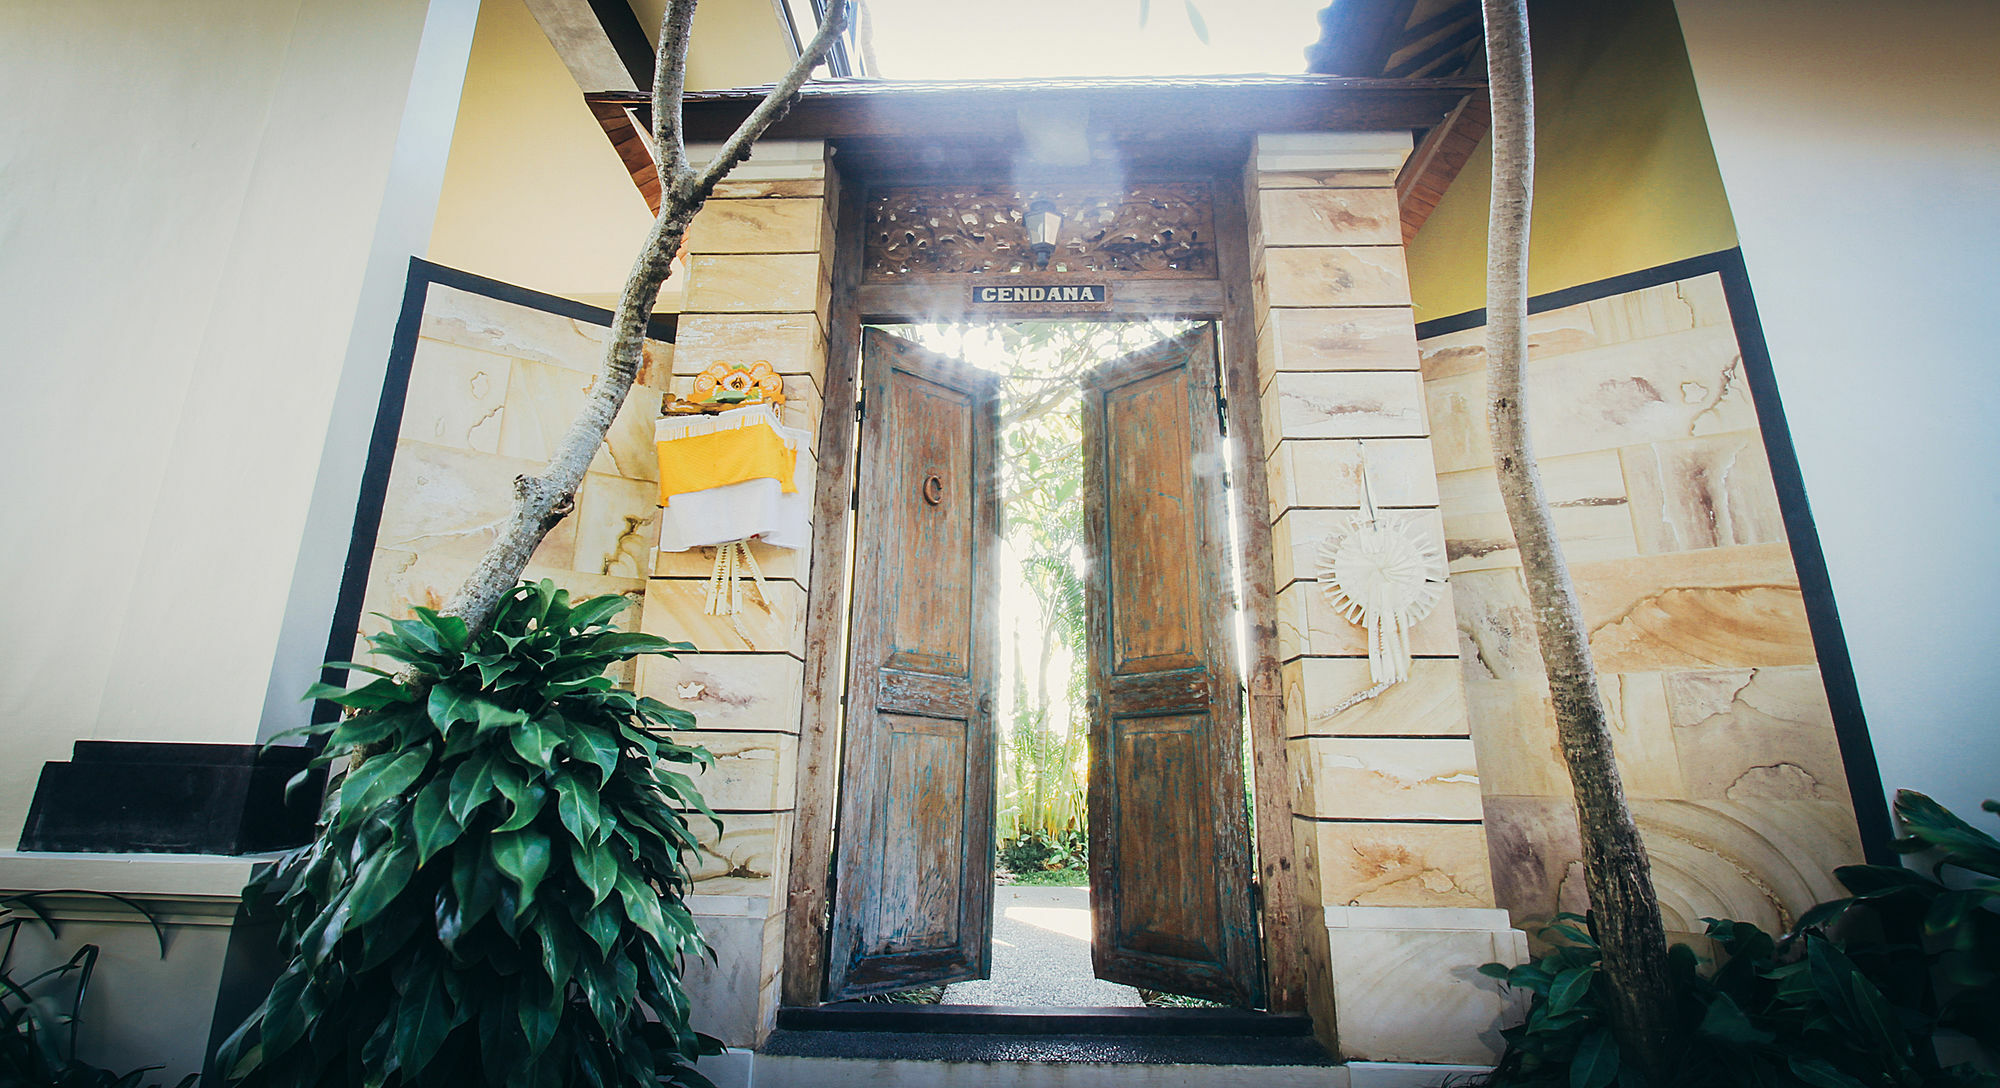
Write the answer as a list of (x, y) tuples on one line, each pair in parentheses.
[(1461, 919)]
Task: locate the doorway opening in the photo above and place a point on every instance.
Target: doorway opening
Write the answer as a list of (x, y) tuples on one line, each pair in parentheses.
[(1109, 647)]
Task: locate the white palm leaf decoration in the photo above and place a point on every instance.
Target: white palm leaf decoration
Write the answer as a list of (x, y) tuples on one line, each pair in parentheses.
[(1384, 574)]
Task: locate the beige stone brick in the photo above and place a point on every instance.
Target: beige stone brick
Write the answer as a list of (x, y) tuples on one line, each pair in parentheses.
[(1634, 315), (1329, 217), (753, 772), (1308, 626), (1402, 864), (615, 525), (1720, 607), (771, 225), (791, 343), (1705, 492), (1298, 536), (1749, 734), (675, 609), (1430, 703), (1362, 405), (1349, 338), (1586, 495), (1408, 990), (752, 283), (1326, 179), (737, 189), (1514, 736), (1337, 276), (1384, 778), (788, 563), (1327, 472), (456, 397), (747, 858), (542, 402), (761, 692), (1758, 860), (1654, 390)]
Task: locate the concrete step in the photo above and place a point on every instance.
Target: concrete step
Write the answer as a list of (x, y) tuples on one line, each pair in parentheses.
[(839, 1059)]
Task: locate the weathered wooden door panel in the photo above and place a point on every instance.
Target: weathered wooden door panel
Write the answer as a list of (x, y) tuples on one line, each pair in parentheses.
[(914, 867), (1169, 833)]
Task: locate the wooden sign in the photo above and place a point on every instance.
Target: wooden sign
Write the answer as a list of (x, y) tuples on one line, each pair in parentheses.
[(1040, 294)]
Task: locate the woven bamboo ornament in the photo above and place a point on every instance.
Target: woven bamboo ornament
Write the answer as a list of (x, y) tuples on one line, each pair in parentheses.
[(1385, 575)]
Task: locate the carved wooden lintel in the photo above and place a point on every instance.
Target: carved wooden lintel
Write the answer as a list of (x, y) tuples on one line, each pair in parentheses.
[(1153, 230)]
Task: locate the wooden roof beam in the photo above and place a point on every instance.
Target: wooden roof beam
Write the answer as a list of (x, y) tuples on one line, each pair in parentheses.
[(599, 41)]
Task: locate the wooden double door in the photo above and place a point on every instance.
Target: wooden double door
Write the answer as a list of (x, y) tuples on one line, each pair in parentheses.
[(1170, 860)]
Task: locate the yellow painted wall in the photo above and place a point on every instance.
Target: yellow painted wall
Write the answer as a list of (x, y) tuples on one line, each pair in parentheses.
[(1626, 179), (533, 193)]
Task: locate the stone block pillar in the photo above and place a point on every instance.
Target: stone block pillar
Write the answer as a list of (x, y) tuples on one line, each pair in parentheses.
[(758, 269), (1386, 794)]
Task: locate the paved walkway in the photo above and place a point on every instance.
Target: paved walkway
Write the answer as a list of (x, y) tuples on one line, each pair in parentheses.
[(1041, 953)]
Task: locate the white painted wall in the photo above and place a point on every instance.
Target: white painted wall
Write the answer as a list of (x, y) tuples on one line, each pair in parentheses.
[(1859, 142), (205, 208)]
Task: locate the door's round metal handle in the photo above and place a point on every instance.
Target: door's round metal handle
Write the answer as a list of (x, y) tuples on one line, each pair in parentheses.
[(933, 489)]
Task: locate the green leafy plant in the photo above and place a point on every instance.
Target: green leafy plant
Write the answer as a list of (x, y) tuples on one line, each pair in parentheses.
[(496, 893), (38, 1028), (1854, 997)]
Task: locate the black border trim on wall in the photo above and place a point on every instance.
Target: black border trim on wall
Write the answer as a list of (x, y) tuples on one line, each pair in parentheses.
[(1836, 666), (389, 423)]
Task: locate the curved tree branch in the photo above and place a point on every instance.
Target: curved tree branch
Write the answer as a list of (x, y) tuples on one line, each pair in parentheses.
[(541, 501)]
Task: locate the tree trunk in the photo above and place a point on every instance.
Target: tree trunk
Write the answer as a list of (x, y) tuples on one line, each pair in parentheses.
[(1616, 872), (543, 500)]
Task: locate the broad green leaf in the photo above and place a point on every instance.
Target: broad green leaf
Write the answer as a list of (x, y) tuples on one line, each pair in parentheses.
[(1569, 988), (417, 635), (579, 808), (528, 804), (471, 786), (597, 747), (536, 742), (1935, 825), (448, 706), (602, 925), (373, 695), (1596, 1061), (432, 821), (451, 630), (1495, 970), (1725, 1021), (380, 778), (494, 716), (598, 867), (539, 1019), (524, 856), (598, 609), (381, 879), (424, 1017)]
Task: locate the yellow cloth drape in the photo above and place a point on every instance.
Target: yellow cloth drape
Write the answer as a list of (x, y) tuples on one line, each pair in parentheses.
[(699, 462)]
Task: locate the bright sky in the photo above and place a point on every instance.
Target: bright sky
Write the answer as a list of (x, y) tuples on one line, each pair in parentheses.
[(978, 39)]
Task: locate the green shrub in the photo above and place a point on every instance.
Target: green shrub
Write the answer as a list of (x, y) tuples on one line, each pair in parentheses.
[(38, 1029), (1852, 998), (1027, 854), (495, 895)]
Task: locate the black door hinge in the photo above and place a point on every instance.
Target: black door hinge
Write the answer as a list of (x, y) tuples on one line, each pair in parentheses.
[(861, 406), (1222, 411)]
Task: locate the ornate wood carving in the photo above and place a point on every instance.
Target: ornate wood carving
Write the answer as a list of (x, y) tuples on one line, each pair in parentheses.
[(1153, 230)]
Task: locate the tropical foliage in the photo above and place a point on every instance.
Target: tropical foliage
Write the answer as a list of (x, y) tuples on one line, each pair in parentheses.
[(496, 893), (1855, 996), (38, 1027)]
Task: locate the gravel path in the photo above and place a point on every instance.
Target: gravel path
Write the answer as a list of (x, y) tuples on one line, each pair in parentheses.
[(1041, 953)]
